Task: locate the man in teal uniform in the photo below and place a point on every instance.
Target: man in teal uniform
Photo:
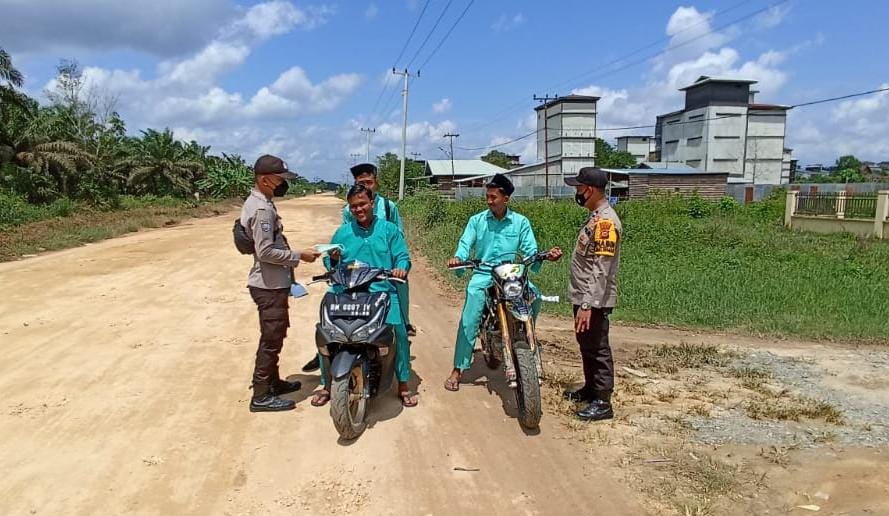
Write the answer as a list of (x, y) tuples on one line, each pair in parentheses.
[(377, 243), (497, 234), (365, 174)]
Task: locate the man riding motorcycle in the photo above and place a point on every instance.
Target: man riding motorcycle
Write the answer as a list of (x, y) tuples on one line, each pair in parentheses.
[(376, 243), (496, 234), (365, 174)]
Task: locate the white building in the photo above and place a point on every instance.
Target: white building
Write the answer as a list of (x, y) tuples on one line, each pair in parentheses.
[(722, 129), (566, 133), (641, 147)]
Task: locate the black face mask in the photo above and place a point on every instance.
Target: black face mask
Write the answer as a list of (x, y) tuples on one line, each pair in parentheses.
[(281, 189), (580, 198)]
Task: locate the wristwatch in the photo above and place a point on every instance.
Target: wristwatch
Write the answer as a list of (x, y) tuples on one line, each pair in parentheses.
[(585, 306)]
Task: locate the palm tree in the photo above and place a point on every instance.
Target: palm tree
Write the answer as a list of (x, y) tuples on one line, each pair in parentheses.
[(160, 164), (8, 72), (13, 79)]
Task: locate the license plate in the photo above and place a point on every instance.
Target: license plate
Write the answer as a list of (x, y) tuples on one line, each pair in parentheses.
[(349, 309)]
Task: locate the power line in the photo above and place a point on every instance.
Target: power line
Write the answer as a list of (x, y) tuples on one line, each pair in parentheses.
[(406, 43), (512, 108), (843, 97), (454, 26), (435, 26), (387, 83), (697, 121)]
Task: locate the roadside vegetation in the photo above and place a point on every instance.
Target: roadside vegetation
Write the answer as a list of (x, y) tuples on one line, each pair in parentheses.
[(71, 172), (692, 263)]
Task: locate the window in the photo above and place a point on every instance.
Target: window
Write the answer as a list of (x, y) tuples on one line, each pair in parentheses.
[(672, 122), (696, 117), (693, 163), (727, 137), (728, 114), (694, 142), (725, 160)]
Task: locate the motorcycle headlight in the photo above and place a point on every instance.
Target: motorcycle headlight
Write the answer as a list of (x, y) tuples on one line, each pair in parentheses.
[(512, 289)]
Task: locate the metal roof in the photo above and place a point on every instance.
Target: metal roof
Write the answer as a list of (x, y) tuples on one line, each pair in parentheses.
[(568, 98), (662, 172), (635, 136), (704, 79), (462, 167), (674, 165)]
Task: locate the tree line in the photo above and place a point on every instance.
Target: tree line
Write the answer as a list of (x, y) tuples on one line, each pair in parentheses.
[(76, 146)]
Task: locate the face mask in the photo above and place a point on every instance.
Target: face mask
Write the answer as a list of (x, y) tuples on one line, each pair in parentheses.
[(580, 198), (281, 189)]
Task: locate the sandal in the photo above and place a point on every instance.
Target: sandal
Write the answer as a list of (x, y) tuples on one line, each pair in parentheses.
[(452, 384), (408, 399), (320, 398)]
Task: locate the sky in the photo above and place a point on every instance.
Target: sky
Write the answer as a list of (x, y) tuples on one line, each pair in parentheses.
[(299, 80)]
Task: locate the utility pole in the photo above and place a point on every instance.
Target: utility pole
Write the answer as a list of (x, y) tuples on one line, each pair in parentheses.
[(354, 157), (415, 155), (404, 93), (545, 100), (367, 152), (451, 136)]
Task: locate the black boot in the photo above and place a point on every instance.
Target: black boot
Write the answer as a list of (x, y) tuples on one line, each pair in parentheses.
[(312, 365), (598, 409), (580, 395), (271, 403), (280, 387)]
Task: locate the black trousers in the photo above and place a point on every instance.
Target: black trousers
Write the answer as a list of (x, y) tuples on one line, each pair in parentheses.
[(274, 319), (598, 364)]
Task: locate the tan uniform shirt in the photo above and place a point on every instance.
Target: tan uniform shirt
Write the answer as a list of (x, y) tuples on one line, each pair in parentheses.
[(273, 261), (596, 259)]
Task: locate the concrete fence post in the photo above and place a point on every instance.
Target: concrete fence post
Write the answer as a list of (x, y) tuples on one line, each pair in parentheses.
[(790, 208), (882, 214), (841, 205)]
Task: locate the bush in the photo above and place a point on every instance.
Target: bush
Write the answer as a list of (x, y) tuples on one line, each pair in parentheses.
[(690, 262)]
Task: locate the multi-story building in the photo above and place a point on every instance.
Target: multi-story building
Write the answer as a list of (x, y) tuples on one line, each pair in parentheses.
[(641, 147), (722, 129)]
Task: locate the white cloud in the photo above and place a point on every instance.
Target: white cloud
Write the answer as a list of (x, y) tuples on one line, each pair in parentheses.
[(773, 16), (278, 17), (186, 93), (690, 34), (506, 23), (371, 12), (442, 106), (857, 126), (207, 65)]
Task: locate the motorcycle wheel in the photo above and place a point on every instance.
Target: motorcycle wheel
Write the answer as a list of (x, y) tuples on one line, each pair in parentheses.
[(527, 387), (348, 406)]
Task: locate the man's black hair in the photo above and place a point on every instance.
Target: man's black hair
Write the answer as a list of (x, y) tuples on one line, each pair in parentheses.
[(358, 189)]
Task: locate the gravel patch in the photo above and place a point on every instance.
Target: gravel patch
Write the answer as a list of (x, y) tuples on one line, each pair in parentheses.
[(866, 417)]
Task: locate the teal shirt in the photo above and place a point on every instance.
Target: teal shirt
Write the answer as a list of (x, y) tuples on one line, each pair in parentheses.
[(497, 240), (381, 245), (379, 212)]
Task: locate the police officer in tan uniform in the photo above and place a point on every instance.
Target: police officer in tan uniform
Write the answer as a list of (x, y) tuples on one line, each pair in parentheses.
[(593, 292), (269, 280)]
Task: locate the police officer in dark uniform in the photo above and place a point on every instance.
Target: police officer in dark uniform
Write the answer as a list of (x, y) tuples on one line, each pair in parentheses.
[(269, 280), (593, 292)]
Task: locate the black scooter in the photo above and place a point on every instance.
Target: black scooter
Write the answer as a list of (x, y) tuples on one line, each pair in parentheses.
[(355, 342)]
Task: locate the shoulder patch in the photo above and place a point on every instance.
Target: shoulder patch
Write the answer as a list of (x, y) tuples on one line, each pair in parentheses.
[(266, 226), (604, 238)]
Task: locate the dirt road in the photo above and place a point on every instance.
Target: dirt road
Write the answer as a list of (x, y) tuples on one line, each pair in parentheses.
[(125, 370)]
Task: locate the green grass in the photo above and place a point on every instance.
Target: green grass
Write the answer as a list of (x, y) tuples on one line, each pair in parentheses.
[(47, 231), (691, 263)]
